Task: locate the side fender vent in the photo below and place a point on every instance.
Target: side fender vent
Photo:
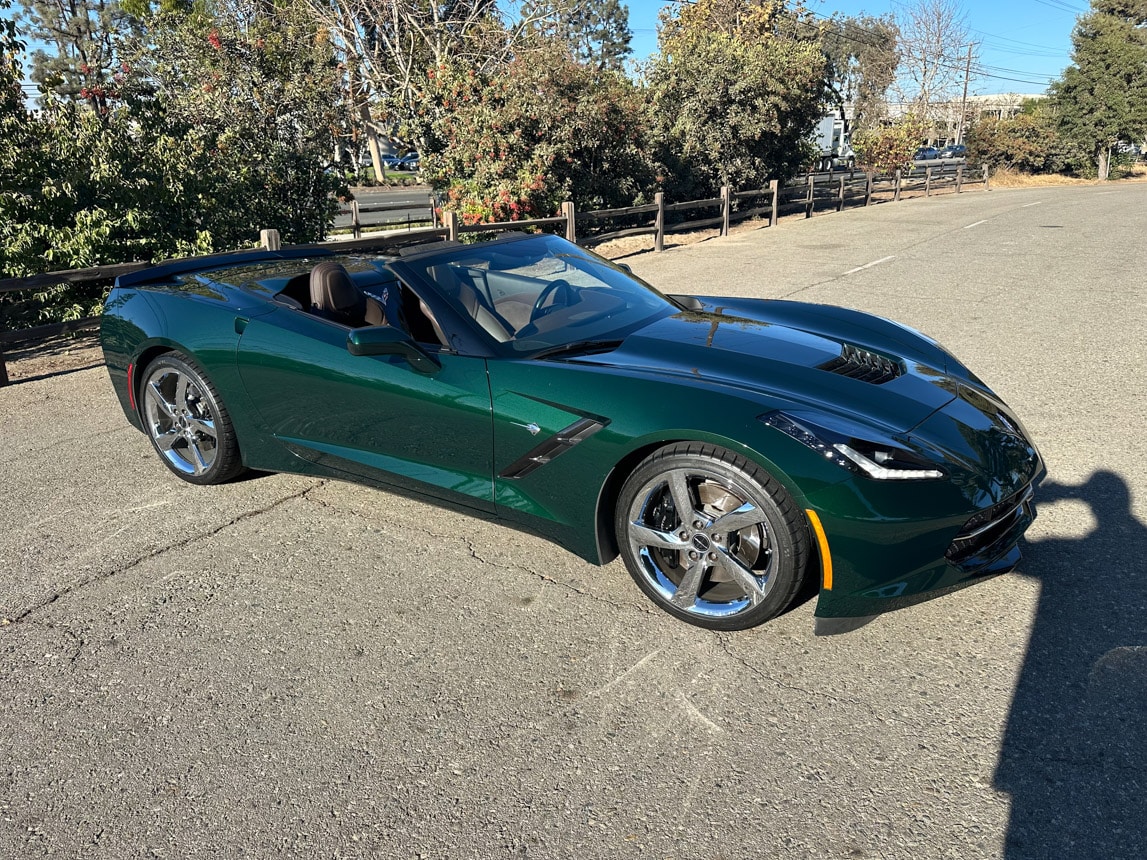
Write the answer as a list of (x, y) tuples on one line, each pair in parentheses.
[(861, 364)]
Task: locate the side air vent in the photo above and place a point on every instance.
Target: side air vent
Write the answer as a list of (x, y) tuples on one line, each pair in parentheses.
[(861, 364)]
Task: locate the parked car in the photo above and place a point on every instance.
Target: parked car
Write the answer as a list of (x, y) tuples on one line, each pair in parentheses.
[(729, 449), (926, 153), (954, 151)]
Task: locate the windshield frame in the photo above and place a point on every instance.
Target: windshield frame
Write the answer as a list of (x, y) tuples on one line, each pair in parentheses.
[(415, 267)]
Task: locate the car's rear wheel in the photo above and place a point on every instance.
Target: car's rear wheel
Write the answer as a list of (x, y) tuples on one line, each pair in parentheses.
[(711, 538), (187, 422)]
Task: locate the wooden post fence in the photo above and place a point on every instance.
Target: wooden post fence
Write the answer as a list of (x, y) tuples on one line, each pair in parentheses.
[(270, 240), (868, 188), (808, 196), (726, 208), (659, 236), (840, 197), (896, 192), (570, 213), (450, 221), (927, 181), (987, 187), (959, 177), (774, 194)]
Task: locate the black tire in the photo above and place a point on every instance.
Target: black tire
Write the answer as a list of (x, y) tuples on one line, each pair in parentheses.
[(186, 421), (739, 556)]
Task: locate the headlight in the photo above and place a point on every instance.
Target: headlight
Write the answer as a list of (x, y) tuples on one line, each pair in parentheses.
[(880, 460)]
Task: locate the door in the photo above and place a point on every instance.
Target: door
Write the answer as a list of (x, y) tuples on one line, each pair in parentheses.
[(371, 416)]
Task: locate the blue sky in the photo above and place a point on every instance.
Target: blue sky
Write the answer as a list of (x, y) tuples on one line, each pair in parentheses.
[(1024, 44)]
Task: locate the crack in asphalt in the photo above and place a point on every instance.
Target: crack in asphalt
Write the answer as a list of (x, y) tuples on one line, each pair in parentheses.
[(24, 615), (725, 642), (71, 441), (473, 551)]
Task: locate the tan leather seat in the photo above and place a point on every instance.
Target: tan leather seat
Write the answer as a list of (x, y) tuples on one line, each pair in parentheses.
[(334, 296)]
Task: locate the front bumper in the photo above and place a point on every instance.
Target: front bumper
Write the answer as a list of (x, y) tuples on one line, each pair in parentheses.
[(887, 561)]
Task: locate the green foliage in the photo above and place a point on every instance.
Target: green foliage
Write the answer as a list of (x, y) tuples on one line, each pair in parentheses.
[(1030, 143), (515, 143), (863, 56), (216, 131), (735, 91), (888, 148), (1102, 96), (597, 32)]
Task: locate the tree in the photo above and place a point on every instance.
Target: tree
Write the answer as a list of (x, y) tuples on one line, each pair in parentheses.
[(1030, 142), (1102, 96), (735, 92), (886, 148), (86, 35), (516, 141), (597, 32), (386, 49), (933, 44), (863, 57)]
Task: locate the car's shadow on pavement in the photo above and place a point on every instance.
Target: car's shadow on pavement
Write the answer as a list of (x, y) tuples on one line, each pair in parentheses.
[(1074, 754)]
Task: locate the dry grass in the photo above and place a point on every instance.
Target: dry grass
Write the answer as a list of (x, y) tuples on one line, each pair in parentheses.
[(1004, 178)]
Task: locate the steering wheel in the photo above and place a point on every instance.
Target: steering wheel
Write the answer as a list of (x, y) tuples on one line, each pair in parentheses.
[(564, 295)]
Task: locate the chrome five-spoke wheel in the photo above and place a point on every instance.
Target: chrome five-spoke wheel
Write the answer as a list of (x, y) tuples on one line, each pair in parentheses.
[(710, 538), (187, 423)]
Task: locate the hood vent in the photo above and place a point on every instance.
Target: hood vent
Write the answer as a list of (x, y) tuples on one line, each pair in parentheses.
[(861, 364)]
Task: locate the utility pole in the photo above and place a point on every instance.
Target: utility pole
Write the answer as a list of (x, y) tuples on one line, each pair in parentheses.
[(964, 100)]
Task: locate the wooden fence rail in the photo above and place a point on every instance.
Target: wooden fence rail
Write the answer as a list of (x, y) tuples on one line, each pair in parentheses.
[(816, 189)]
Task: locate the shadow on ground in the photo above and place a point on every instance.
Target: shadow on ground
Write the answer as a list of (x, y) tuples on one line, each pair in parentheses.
[(1074, 755)]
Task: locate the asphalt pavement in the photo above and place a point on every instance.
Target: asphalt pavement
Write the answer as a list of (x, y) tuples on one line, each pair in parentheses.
[(289, 667)]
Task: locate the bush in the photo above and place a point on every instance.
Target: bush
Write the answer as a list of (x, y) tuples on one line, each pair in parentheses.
[(515, 143), (1029, 143)]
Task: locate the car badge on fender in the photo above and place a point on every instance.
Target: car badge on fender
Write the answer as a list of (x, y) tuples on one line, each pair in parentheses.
[(532, 427)]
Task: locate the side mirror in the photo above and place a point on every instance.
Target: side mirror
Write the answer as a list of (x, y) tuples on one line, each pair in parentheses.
[(388, 340), (625, 267)]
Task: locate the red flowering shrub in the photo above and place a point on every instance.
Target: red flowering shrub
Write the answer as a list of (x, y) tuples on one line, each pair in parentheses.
[(541, 129)]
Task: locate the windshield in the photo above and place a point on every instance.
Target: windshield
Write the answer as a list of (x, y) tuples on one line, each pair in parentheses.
[(542, 292)]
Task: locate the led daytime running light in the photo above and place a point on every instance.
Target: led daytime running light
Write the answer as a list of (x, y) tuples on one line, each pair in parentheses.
[(883, 473)]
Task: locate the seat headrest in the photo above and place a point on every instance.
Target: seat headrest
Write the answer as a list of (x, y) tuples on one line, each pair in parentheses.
[(334, 294)]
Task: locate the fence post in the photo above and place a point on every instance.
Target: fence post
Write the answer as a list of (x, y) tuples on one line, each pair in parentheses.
[(450, 219), (659, 236), (987, 187), (269, 239), (840, 200), (433, 211), (896, 192), (959, 177), (726, 208), (774, 194), (808, 198), (355, 223), (868, 188), (927, 181), (570, 214)]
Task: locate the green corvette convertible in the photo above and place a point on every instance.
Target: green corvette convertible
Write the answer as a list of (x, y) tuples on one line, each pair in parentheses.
[(730, 450)]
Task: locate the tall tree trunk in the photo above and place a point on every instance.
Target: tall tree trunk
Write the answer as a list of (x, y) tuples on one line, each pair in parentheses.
[(1104, 163)]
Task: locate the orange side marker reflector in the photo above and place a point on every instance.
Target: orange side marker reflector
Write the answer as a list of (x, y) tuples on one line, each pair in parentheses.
[(825, 555), (131, 385)]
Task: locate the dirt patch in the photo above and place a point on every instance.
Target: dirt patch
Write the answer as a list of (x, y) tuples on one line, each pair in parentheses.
[(79, 351)]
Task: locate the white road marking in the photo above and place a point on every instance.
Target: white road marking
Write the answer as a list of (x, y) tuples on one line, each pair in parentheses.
[(978, 223), (1026, 205), (870, 265)]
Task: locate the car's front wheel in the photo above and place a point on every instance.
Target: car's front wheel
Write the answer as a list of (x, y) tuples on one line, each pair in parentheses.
[(711, 538), (187, 422)]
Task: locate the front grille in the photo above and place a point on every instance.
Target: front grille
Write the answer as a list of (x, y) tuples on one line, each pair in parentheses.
[(861, 364), (989, 526)]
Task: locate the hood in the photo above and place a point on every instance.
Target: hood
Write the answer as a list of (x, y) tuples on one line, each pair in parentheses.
[(819, 371)]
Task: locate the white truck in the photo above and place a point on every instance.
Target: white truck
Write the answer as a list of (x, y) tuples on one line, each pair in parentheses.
[(832, 144)]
